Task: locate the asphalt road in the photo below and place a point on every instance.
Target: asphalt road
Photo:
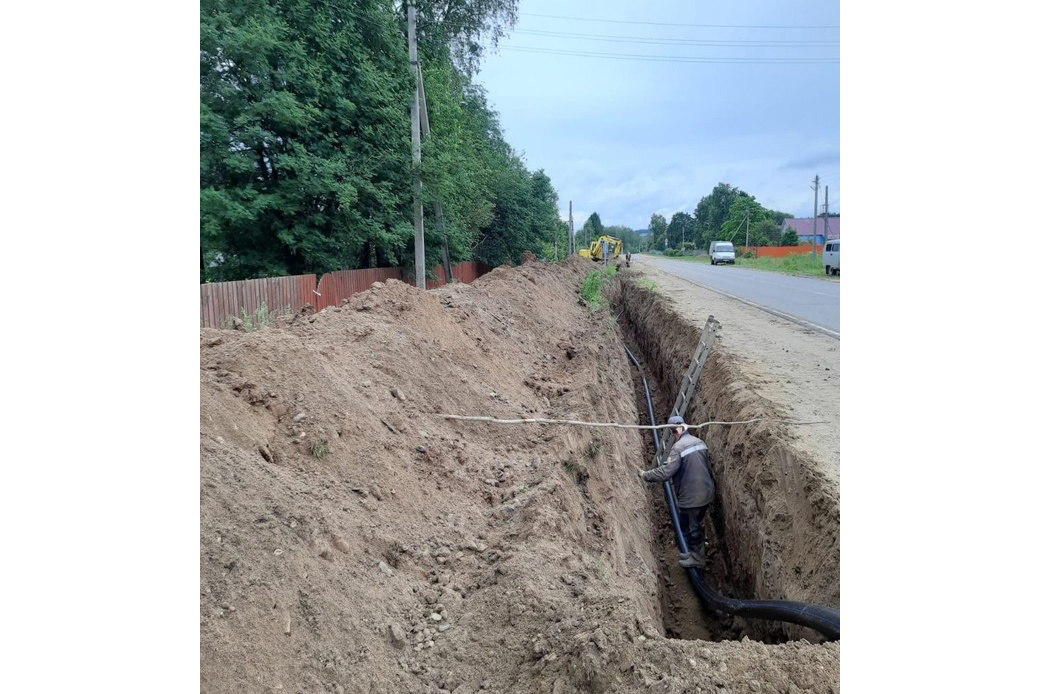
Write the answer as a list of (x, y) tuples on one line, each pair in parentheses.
[(812, 302)]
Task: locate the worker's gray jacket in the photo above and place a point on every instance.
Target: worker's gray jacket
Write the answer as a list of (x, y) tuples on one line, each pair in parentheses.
[(687, 463)]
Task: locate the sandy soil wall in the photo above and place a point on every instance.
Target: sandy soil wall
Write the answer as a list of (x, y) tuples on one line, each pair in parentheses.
[(778, 518)]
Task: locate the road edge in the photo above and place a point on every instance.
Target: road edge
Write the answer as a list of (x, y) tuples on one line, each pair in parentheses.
[(772, 311)]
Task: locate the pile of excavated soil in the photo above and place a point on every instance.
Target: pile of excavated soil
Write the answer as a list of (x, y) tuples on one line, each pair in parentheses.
[(354, 541)]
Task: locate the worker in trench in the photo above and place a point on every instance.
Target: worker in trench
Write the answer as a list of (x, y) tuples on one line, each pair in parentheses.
[(689, 467)]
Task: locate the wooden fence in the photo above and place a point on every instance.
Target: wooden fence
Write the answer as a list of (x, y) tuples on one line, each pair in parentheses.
[(222, 300)]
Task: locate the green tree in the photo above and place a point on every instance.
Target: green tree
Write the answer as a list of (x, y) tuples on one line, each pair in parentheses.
[(712, 211), (680, 230), (789, 238), (658, 231), (494, 209), (463, 27), (288, 184), (305, 143), (591, 230), (743, 213), (749, 221)]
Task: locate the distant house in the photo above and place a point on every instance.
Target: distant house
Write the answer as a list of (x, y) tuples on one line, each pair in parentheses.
[(804, 229)]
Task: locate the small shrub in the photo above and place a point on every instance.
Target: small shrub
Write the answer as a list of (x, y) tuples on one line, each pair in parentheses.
[(247, 321), (319, 448), (263, 316), (599, 567), (594, 447)]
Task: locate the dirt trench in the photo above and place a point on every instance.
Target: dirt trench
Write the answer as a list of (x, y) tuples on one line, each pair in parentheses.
[(774, 528), (352, 540)]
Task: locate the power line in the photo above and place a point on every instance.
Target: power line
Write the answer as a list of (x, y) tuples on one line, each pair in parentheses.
[(678, 41), (677, 24), (671, 58)]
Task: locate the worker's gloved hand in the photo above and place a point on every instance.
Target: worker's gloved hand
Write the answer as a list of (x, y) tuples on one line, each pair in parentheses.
[(642, 475)]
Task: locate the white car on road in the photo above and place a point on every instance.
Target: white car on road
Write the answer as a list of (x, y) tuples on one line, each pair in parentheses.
[(832, 256), (722, 252)]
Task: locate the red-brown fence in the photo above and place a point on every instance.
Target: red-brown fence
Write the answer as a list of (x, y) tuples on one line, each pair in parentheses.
[(780, 251), (222, 300)]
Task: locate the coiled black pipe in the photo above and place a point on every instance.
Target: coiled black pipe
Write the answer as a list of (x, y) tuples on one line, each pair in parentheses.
[(825, 620)]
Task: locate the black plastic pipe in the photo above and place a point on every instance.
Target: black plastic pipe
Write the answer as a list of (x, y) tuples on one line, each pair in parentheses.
[(825, 620)]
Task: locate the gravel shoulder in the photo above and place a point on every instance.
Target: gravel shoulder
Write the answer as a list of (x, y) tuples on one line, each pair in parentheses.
[(793, 367)]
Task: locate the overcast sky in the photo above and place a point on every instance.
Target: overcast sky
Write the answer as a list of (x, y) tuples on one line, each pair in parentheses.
[(629, 137)]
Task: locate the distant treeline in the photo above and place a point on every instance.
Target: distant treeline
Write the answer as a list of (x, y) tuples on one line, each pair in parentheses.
[(727, 213), (305, 140)]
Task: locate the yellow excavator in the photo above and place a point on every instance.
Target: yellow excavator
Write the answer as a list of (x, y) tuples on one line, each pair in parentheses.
[(605, 246)]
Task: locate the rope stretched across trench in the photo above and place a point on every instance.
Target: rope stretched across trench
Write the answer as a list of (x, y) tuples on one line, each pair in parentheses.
[(576, 422)]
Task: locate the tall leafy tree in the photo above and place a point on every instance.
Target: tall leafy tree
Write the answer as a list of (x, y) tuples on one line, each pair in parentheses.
[(680, 229), (592, 229), (464, 26), (303, 136), (658, 231), (712, 210), (305, 139), (750, 222)]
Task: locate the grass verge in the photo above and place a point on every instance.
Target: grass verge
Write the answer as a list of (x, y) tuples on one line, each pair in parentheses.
[(803, 265), (590, 289)]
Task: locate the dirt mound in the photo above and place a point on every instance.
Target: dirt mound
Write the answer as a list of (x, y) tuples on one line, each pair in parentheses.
[(354, 541)]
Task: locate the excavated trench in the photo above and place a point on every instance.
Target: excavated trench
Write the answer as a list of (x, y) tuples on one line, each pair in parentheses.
[(682, 614), (773, 530), (352, 538)]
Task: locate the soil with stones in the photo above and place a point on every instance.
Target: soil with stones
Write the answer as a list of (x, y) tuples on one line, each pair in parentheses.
[(352, 540)]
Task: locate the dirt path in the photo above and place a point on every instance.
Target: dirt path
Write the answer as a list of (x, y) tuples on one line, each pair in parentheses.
[(793, 367)]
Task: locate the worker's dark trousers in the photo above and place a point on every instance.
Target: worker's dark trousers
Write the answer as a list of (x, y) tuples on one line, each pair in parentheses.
[(691, 523)]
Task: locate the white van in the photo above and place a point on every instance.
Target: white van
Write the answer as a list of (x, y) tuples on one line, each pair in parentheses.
[(722, 252), (832, 256)]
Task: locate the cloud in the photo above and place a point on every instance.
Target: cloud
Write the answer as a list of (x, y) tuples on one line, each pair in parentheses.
[(817, 161), (629, 138)]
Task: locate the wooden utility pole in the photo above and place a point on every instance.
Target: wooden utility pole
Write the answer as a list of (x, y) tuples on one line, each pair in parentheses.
[(570, 222), (826, 214), (747, 231), (816, 191), (417, 208), (556, 244), (438, 211)]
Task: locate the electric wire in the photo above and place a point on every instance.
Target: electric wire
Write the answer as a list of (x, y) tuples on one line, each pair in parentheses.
[(671, 58), (680, 24), (668, 41)]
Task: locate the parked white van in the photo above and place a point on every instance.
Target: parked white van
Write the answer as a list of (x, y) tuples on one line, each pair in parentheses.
[(722, 252), (832, 256)]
